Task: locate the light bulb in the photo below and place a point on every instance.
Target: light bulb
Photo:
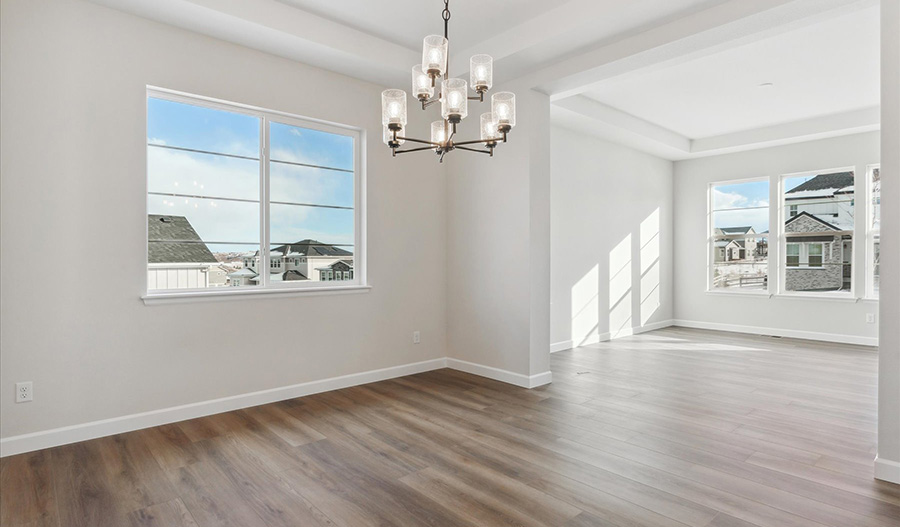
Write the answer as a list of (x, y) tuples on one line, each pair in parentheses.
[(482, 72), (503, 106), (438, 132), (454, 100), (454, 103), (393, 107)]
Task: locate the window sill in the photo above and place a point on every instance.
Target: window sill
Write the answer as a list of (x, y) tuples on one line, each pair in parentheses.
[(831, 297), (759, 294), (220, 296)]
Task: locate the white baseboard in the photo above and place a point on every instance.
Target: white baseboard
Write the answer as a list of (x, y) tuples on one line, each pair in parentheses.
[(789, 333), (72, 434), (497, 374), (887, 470), (605, 337), (20, 444)]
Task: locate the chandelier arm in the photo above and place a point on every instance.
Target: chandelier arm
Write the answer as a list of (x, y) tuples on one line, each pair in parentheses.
[(420, 149), (475, 142), (424, 142), (489, 152)]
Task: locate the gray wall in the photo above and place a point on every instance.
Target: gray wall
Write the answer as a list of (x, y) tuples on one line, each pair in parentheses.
[(888, 466), (611, 241), (809, 318), (73, 218)]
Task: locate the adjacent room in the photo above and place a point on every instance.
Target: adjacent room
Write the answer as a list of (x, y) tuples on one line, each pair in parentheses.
[(450, 263)]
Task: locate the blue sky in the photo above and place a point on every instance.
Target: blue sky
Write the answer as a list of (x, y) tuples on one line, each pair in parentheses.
[(237, 223)]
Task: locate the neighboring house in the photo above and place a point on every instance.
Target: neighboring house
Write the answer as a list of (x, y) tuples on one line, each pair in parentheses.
[(305, 260), (177, 257), (736, 250), (822, 205)]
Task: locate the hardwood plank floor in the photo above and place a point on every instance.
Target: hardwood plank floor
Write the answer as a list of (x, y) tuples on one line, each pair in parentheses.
[(672, 428)]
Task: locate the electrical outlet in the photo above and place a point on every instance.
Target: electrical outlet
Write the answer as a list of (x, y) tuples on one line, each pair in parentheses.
[(24, 392), (870, 318), (417, 338)]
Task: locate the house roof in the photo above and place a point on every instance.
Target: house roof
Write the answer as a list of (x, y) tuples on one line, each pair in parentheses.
[(172, 239), (823, 182), (816, 218), (735, 230), (313, 248)]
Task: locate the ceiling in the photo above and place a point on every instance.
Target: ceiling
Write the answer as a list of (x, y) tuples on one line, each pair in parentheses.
[(407, 22), (827, 68), (676, 78)]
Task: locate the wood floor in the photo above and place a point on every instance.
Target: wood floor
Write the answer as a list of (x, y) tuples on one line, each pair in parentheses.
[(672, 428)]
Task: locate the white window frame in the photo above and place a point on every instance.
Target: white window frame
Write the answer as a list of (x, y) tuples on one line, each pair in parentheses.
[(870, 234), (266, 116), (711, 238), (804, 251)]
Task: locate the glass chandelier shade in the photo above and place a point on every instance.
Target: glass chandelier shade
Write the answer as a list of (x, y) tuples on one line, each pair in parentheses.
[(481, 72), (438, 132), (488, 128), (421, 83), (503, 107), (393, 107), (389, 135), (434, 55), (454, 99)]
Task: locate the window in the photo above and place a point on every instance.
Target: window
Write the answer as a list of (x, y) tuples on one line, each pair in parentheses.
[(874, 237), (793, 255), (815, 255), (217, 173), (817, 231), (739, 236)]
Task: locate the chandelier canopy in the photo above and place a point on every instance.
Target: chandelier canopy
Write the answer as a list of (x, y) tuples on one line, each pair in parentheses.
[(454, 98)]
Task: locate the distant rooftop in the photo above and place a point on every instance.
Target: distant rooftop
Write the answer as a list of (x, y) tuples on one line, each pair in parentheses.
[(836, 181), (172, 239)]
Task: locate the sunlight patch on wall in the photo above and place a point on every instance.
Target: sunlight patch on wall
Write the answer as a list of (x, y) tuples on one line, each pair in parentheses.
[(650, 274), (586, 308), (620, 288)]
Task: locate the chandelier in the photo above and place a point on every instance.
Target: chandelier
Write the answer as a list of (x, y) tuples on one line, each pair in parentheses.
[(454, 99)]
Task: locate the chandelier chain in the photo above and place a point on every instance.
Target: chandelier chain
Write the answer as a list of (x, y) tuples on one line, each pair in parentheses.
[(445, 14)]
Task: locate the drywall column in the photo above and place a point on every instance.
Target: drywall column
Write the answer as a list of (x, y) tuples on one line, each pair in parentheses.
[(499, 248), (887, 464)]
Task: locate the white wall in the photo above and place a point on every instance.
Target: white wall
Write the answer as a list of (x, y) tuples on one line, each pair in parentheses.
[(888, 464), (809, 318), (73, 184), (611, 240), (497, 311)]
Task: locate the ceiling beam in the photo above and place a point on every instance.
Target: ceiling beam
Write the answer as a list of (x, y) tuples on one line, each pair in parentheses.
[(285, 31), (845, 123), (729, 24)]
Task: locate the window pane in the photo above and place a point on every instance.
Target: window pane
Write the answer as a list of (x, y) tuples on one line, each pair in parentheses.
[(305, 185), (183, 125), (741, 263), (741, 222), (203, 209), (312, 147), (174, 172), (819, 210), (292, 224), (310, 261), (741, 195), (875, 226)]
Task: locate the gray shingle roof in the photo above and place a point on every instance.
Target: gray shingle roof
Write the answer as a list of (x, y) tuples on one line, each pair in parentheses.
[(173, 240), (835, 181), (313, 248)]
